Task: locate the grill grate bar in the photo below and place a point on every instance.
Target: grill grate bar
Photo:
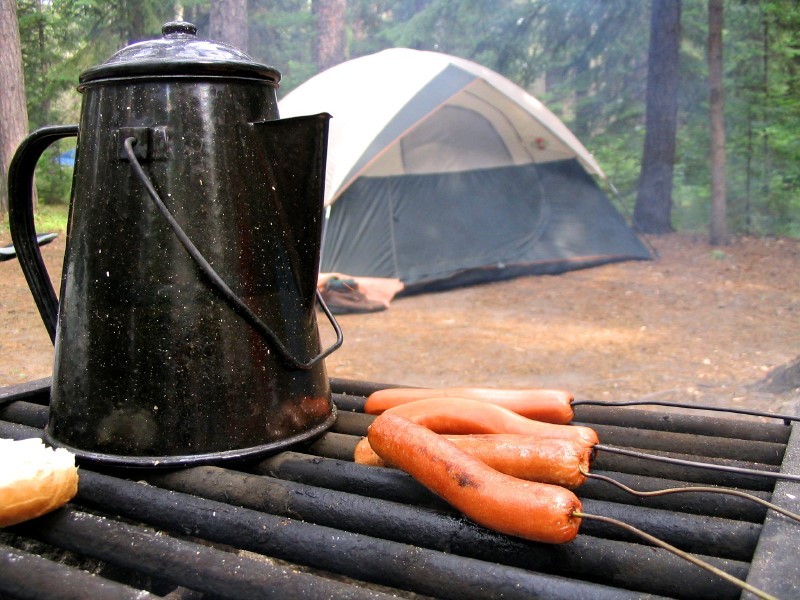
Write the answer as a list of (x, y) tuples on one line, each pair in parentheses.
[(770, 453), (361, 557), (696, 503), (200, 567), (695, 533), (356, 424), (775, 566), (744, 451), (680, 422), (698, 534), (607, 461), (349, 395), (37, 391), (15, 431), (27, 576), (390, 484), (384, 532), (25, 413), (445, 531), (334, 445), (356, 388)]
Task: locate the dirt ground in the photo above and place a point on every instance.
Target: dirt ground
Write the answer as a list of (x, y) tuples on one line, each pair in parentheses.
[(698, 324)]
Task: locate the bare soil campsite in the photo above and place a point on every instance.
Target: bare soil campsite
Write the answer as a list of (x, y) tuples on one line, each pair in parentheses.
[(700, 324)]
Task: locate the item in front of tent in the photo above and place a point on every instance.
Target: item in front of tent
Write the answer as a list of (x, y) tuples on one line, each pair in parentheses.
[(343, 297)]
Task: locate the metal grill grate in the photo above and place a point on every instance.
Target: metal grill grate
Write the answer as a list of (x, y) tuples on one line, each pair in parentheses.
[(310, 523)]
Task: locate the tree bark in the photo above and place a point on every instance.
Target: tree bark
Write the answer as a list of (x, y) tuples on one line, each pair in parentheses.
[(652, 213), (330, 39), (13, 112), (135, 21), (228, 23), (719, 209)]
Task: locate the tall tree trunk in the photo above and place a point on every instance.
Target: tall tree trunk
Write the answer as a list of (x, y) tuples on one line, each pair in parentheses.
[(585, 24), (228, 23), (330, 38), (652, 213), (748, 181), (131, 24), (13, 112), (43, 66), (719, 210), (137, 19), (765, 113)]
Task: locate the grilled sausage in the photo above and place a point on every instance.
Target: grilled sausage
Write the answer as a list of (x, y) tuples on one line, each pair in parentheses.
[(459, 416), (534, 511), (555, 461), (550, 406)]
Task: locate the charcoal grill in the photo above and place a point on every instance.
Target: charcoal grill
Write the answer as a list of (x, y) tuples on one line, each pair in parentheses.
[(310, 523)]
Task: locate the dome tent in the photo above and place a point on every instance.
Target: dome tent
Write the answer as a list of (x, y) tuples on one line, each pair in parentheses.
[(443, 173)]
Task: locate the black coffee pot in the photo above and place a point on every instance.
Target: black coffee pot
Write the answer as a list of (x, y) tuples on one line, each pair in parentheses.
[(186, 328)]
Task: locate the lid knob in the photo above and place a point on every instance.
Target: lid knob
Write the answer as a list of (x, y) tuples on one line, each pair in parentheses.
[(175, 29)]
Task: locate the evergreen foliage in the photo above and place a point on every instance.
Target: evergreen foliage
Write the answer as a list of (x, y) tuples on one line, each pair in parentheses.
[(586, 59)]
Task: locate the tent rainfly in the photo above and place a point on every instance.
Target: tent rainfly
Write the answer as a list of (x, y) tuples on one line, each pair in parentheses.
[(443, 173)]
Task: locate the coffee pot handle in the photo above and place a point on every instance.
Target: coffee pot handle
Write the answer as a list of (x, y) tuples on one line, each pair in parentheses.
[(20, 219), (217, 281)]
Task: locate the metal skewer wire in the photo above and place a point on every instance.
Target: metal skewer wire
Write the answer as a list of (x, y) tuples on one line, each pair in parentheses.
[(787, 419), (678, 552), (694, 488), (700, 465)]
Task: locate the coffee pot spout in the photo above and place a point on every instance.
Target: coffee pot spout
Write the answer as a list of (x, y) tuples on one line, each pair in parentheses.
[(294, 159)]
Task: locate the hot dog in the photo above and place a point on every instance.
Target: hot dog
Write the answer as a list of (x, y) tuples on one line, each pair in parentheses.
[(534, 511), (459, 416), (550, 406), (555, 461)]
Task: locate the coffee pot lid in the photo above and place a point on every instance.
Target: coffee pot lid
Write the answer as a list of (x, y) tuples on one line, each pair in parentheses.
[(179, 53)]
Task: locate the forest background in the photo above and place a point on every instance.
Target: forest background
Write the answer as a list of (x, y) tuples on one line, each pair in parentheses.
[(701, 318), (586, 59)]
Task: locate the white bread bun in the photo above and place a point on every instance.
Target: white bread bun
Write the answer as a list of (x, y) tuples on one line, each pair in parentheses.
[(34, 479)]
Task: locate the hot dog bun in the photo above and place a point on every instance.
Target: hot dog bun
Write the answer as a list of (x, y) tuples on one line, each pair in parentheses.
[(34, 479)]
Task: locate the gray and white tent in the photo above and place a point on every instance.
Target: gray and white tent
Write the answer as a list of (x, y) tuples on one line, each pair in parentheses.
[(442, 172)]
